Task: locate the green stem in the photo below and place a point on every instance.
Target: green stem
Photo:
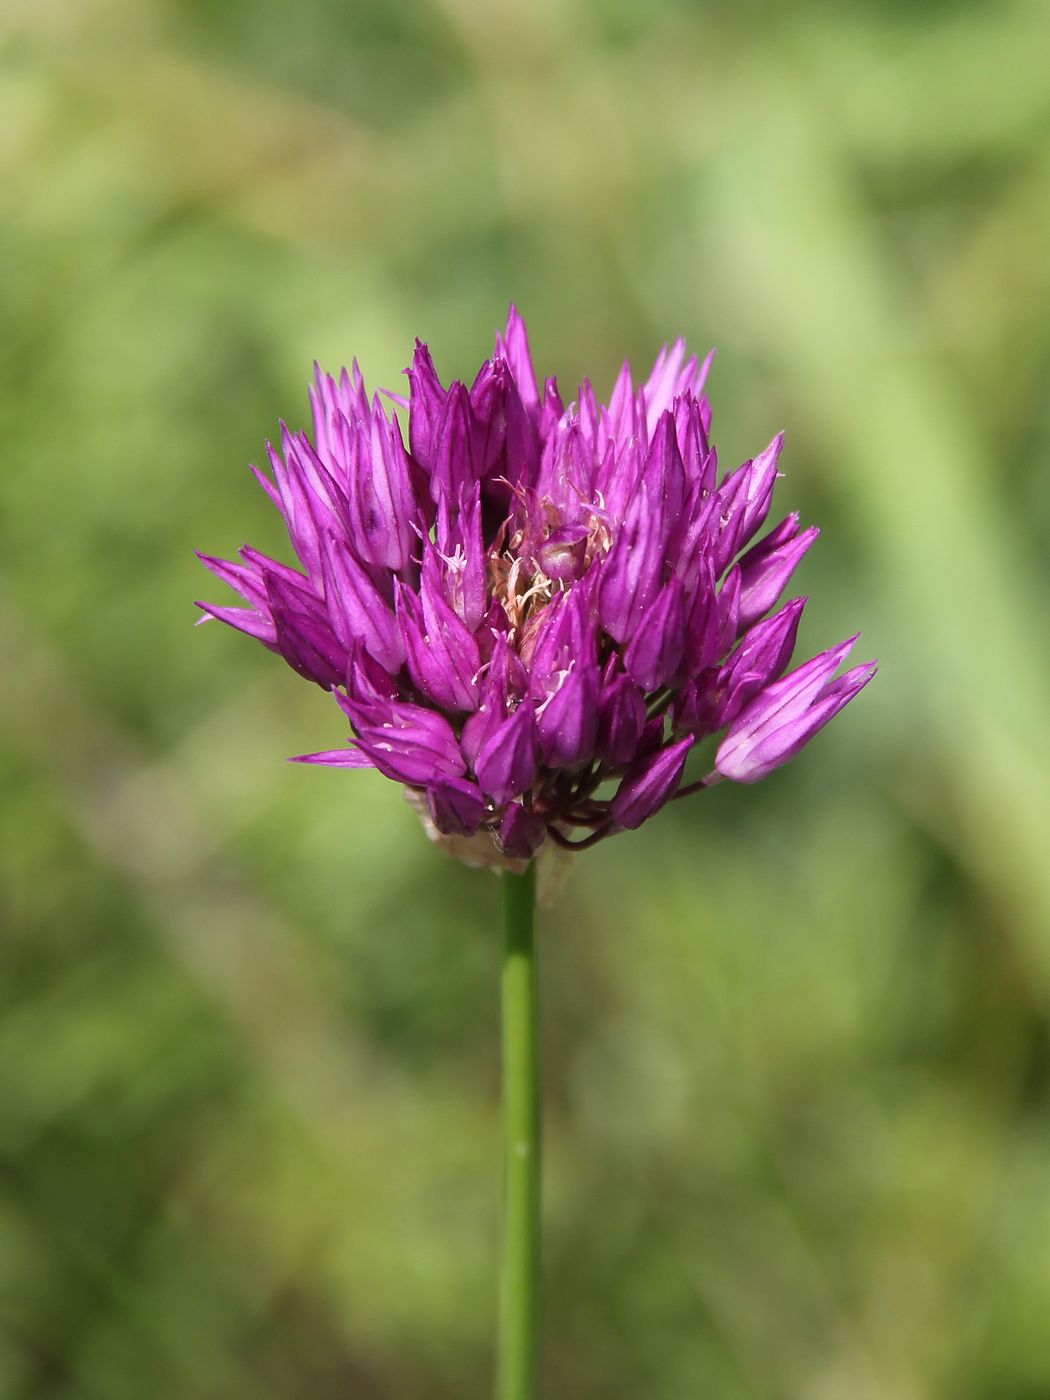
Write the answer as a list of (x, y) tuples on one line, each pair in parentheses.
[(519, 1277)]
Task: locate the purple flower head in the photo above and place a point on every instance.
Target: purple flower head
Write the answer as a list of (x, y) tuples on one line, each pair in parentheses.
[(531, 614)]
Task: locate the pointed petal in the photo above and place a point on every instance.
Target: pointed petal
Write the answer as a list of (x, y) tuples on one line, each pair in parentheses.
[(565, 636), (649, 784), (506, 764), (631, 573), (240, 577), (414, 746), (304, 636), (622, 417), (786, 715), (702, 641), (443, 657), (567, 724), (664, 473), (655, 650), (795, 691), (381, 502), (513, 346), (336, 758), (456, 806), (461, 549), (728, 610), (508, 446), (659, 388), (744, 499), (760, 659), (456, 464), (521, 832), (763, 580), (505, 680), (621, 719), (552, 410), (247, 620), (357, 610), (426, 406)]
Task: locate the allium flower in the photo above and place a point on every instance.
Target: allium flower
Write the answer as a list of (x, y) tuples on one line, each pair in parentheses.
[(530, 603)]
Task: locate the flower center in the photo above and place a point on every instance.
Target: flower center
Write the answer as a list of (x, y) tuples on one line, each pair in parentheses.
[(523, 590)]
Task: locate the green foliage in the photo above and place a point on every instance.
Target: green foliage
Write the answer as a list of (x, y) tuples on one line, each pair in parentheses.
[(796, 1037)]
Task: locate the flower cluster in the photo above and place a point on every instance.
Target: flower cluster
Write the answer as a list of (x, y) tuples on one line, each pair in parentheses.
[(530, 603)]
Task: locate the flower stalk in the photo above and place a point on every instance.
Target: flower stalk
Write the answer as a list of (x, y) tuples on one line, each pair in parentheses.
[(518, 1341)]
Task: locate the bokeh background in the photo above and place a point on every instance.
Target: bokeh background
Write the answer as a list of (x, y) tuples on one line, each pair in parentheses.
[(796, 1036)]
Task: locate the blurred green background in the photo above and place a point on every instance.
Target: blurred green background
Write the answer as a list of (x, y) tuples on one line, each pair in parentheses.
[(796, 1036)]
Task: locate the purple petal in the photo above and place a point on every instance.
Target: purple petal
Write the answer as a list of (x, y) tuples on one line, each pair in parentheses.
[(336, 758), (618, 476), (508, 445), (728, 610), (311, 501), (565, 636), (649, 784), (357, 610), (552, 410), (651, 738), (426, 407), (521, 833), (566, 477), (294, 506), (744, 499), (242, 578), (456, 464), (702, 639), (662, 384), (367, 682), (688, 550), (506, 763), (381, 502), (456, 806), (631, 574), (505, 680), (795, 691), (784, 716), (443, 657), (268, 486), (697, 707), (656, 648), (622, 418), (664, 472), (263, 564), (621, 719), (447, 632), (304, 636), (479, 728), (247, 620), (414, 746), (461, 549), (759, 660), (567, 723), (331, 401), (513, 346), (780, 534), (697, 455), (587, 414), (763, 580)]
